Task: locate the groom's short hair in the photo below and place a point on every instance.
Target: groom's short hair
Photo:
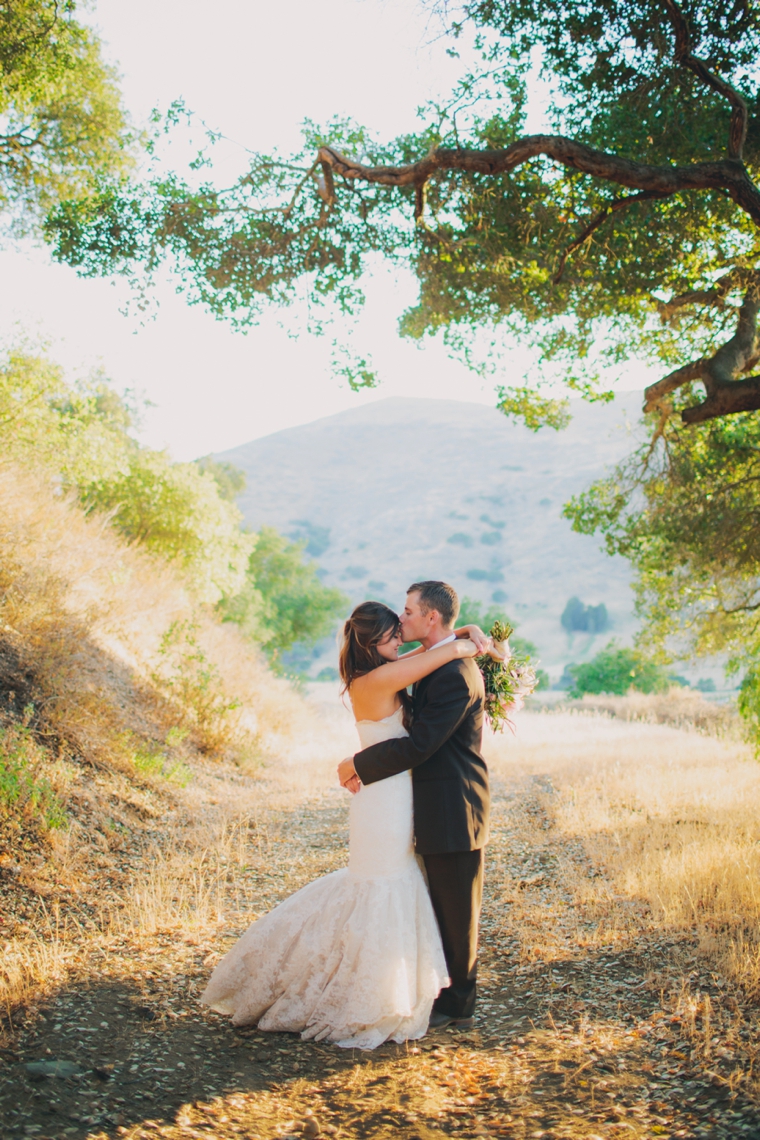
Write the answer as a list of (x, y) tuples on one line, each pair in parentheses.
[(438, 596)]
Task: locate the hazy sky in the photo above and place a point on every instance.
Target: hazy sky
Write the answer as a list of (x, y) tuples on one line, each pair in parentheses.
[(253, 70)]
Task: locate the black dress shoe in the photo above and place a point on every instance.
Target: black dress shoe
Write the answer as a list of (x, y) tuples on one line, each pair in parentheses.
[(444, 1020)]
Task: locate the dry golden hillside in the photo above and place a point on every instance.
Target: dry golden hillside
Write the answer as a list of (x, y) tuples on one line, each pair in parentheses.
[(114, 689)]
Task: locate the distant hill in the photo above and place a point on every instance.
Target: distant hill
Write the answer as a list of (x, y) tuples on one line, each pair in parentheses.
[(405, 489)]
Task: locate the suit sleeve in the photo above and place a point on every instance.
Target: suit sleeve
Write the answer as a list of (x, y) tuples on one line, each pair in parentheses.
[(447, 700)]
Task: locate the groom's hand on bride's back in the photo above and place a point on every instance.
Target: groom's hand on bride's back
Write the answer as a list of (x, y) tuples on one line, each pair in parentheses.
[(347, 775)]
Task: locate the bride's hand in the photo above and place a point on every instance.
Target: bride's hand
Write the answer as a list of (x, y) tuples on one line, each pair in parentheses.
[(474, 633), (499, 650), (469, 648)]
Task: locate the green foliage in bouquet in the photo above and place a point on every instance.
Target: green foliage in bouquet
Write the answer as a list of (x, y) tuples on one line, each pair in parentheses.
[(473, 613), (507, 683)]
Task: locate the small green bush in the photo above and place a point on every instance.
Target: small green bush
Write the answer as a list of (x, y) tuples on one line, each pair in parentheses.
[(283, 602), (25, 791), (588, 619), (153, 762), (192, 682), (180, 511), (615, 671)]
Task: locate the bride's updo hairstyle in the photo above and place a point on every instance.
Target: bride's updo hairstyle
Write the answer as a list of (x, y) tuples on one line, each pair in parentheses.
[(369, 624)]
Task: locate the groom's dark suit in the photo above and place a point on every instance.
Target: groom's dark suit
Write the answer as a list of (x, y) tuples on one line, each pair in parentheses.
[(451, 807)]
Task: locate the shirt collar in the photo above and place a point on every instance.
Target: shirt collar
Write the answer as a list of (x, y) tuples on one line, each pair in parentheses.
[(446, 640)]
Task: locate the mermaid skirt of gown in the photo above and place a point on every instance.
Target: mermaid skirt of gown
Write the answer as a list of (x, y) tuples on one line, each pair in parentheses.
[(355, 957)]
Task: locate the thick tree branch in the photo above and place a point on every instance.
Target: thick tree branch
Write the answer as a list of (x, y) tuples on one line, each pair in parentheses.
[(727, 400), (728, 174), (715, 296), (725, 393), (740, 353), (656, 393), (737, 133), (326, 183)]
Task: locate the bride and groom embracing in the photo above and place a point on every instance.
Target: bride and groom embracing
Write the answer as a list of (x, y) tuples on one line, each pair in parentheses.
[(377, 951)]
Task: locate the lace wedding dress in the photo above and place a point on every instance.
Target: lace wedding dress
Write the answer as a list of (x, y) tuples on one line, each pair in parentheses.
[(354, 957)]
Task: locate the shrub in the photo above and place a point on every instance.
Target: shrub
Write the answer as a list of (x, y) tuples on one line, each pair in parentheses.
[(283, 601), (176, 511), (749, 707), (317, 538), (24, 790), (154, 762), (193, 683), (615, 671), (230, 480)]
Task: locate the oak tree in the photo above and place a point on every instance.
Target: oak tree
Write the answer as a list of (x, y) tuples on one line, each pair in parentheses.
[(629, 227)]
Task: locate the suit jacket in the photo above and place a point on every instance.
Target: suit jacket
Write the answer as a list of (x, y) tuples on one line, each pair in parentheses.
[(449, 774)]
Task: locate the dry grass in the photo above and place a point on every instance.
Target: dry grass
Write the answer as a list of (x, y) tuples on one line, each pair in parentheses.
[(233, 831), (672, 817), (192, 860), (41, 961), (555, 1052), (679, 708), (83, 617), (111, 732)]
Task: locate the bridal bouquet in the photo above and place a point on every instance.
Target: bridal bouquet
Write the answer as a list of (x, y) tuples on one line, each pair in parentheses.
[(507, 683)]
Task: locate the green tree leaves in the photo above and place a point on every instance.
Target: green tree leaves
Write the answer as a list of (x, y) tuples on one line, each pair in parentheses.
[(63, 124), (616, 671), (82, 433), (598, 241), (184, 513), (175, 510), (283, 601), (686, 513)]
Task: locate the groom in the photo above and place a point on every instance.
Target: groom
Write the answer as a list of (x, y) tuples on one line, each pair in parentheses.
[(451, 796)]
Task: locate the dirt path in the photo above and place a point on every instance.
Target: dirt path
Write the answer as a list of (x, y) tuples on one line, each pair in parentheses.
[(590, 1022)]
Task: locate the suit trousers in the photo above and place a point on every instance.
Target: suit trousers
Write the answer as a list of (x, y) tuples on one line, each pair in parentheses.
[(455, 879)]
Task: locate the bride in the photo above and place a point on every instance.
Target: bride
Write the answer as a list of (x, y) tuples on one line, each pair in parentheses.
[(354, 957)]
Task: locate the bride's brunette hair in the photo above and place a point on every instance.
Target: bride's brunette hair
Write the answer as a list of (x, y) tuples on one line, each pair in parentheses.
[(369, 624)]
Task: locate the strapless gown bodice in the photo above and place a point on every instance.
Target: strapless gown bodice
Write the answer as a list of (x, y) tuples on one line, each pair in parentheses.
[(382, 815), (354, 957)]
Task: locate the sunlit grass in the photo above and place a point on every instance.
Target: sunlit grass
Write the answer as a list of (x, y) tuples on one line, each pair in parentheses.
[(672, 816)]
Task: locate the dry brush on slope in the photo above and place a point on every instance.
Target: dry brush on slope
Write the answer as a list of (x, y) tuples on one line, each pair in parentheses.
[(114, 688)]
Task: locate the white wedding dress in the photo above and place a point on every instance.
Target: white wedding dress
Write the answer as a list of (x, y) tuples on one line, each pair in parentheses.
[(354, 957)]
